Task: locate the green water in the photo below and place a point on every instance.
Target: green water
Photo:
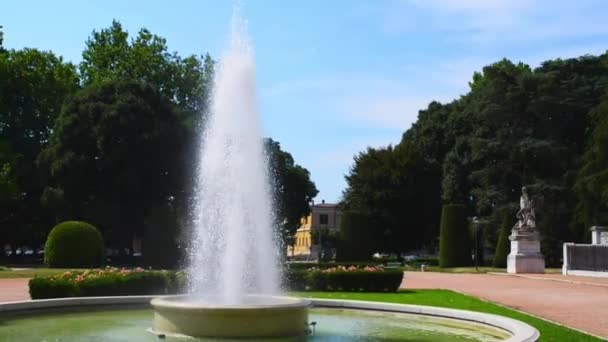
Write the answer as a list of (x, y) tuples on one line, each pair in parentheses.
[(333, 325)]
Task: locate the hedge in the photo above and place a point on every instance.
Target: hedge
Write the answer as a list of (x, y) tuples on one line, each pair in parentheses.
[(123, 282), (454, 238), (325, 265), (342, 279), (503, 244), (74, 244), (106, 282)]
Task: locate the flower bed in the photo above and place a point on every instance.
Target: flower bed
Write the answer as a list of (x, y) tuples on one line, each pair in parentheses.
[(109, 281), (345, 278)]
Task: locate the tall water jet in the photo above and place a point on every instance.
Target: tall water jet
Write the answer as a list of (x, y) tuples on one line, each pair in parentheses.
[(234, 248), (233, 270)]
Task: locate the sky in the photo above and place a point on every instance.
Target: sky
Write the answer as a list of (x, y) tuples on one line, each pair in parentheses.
[(335, 77)]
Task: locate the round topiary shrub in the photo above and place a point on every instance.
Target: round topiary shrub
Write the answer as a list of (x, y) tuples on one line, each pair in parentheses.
[(73, 244)]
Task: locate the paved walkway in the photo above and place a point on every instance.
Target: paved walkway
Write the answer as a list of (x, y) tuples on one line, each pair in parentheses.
[(579, 302), (12, 290)]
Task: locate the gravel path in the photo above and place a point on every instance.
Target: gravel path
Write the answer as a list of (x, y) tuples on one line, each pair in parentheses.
[(578, 302), (13, 289)]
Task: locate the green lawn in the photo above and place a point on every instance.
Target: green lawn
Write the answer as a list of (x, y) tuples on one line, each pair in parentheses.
[(30, 273), (450, 299)]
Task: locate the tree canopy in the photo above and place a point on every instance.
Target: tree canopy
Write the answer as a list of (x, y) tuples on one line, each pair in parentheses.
[(543, 128), (112, 141), (293, 188)]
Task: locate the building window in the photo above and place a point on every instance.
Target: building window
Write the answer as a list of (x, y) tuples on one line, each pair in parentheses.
[(323, 219)]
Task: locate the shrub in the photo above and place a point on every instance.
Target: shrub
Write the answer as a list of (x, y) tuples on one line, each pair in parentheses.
[(324, 265), (341, 278), (105, 282), (454, 239), (73, 244), (355, 241), (295, 279), (503, 245)]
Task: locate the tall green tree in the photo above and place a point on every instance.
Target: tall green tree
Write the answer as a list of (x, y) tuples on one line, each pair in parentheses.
[(398, 191), (293, 188), (109, 54), (592, 180), (116, 153), (33, 86)]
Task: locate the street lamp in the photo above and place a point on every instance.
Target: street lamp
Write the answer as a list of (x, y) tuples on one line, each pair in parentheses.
[(476, 232)]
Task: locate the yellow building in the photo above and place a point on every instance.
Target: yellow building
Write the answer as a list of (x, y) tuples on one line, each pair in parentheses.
[(323, 215)]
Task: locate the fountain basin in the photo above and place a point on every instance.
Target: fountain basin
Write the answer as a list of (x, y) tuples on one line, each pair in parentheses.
[(258, 317)]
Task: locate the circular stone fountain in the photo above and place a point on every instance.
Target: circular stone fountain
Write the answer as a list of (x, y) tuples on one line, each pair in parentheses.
[(255, 317)]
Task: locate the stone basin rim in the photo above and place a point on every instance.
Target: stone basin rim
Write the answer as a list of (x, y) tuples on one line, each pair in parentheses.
[(278, 302), (522, 332)]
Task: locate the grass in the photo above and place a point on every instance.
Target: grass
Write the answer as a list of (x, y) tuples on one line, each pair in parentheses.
[(445, 298), (31, 272)]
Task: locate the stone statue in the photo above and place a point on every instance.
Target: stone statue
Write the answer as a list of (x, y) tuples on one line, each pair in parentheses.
[(525, 256), (526, 216)]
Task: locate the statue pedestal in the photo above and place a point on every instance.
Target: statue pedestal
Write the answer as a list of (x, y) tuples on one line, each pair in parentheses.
[(525, 256)]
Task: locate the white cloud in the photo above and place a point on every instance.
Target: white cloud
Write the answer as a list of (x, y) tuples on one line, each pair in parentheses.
[(496, 21), (398, 112)]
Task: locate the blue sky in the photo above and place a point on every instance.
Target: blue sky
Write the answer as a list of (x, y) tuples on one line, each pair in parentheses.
[(336, 76)]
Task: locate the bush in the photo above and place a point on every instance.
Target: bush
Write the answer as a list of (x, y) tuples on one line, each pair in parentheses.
[(454, 239), (325, 265), (106, 282), (355, 241), (74, 244), (503, 244), (342, 278)]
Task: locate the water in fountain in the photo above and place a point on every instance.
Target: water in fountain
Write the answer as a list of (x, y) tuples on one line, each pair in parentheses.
[(234, 247)]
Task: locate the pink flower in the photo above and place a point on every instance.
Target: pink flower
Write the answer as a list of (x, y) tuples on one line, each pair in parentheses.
[(79, 279)]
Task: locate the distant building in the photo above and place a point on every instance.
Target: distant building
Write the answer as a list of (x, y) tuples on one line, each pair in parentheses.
[(323, 215)]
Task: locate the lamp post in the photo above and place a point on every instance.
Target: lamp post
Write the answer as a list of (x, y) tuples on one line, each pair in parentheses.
[(476, 232)]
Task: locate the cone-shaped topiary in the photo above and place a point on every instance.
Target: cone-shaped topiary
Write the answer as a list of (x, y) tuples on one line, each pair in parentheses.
[(74, 244), (503, 245), (454, 238)]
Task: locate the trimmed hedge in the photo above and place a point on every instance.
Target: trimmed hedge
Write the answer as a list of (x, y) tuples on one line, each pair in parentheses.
[(503, 244), (74, 244), (454, 238), (324, 265), (106, 282), (122, 282), (351, 281)]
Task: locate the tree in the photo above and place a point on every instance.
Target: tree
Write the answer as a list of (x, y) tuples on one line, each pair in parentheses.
[(117, 151), (592, 180), (293, 188), (454, 239), (33, 87), (355, 242), (109, 55), (503, 246), (398, 190)]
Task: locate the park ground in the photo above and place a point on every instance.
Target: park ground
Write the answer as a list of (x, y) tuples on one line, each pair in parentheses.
[(577, 302)]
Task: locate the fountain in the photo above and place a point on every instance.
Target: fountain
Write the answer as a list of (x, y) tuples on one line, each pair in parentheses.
[(234, 273), (234, 290)]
